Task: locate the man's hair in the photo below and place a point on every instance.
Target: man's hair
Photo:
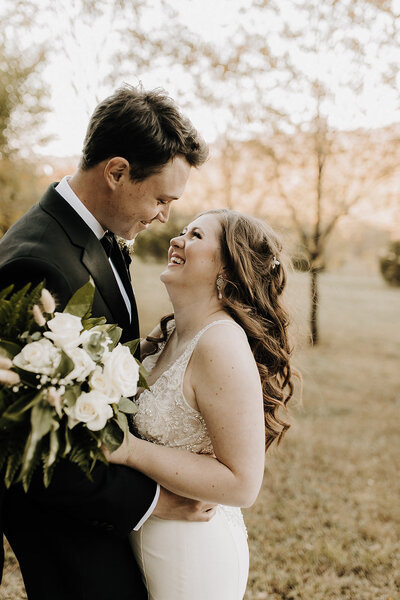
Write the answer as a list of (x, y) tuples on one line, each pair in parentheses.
[(144, 127)]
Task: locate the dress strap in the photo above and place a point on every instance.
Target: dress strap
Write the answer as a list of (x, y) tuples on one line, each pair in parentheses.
[(191, 346)]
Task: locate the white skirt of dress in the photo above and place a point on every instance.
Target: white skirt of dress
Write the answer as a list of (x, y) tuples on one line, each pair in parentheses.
[(181, 560)]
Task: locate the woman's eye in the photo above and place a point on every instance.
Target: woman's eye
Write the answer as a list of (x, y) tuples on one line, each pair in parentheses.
[(196, 234)]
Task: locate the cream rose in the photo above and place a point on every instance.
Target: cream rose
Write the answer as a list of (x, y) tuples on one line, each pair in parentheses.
[(83, 364), (100, 382), (91, 408), (39, 357), (65, 330), (121, 369)]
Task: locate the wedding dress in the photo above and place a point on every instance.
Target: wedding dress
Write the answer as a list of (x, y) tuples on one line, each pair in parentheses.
[(182, 560)]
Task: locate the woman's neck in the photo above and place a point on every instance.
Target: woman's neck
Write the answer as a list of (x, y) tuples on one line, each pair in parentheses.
[(191, 316)]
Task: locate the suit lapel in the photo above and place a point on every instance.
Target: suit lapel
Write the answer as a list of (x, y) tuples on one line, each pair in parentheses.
[(96, 262), (93, 256)]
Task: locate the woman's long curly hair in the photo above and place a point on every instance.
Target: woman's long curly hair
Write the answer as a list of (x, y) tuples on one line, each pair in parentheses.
[(253, 281)]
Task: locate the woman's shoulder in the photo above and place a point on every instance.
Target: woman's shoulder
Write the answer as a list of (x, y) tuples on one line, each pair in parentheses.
[(223, 340), (223, 355)]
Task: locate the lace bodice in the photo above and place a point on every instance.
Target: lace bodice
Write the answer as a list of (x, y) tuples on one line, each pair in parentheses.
[(164, 416)]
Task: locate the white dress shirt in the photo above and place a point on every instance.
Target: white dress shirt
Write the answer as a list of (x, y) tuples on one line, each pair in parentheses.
[(65, 190)]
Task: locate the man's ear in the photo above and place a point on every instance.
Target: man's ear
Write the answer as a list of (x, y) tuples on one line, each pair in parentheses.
[(115, 170)]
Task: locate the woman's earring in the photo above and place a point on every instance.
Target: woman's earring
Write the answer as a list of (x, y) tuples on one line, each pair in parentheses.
[(220, 283)]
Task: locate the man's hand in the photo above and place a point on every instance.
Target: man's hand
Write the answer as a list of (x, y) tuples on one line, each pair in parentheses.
[(176, 508)]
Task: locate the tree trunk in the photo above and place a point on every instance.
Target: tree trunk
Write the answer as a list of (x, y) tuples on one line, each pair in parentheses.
[(314, 306)]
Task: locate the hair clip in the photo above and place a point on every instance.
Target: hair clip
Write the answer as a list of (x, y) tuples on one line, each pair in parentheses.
[(275, 262)]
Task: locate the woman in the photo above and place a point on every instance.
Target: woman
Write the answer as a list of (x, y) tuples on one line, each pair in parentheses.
[(218, 377)]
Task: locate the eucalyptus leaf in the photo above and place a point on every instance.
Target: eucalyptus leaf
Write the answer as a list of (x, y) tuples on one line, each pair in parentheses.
[(81, 302)]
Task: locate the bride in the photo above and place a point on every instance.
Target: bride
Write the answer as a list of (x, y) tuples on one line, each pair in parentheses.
[(219, 373)]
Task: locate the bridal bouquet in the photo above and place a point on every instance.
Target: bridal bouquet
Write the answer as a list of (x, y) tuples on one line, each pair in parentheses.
[(65, 383)]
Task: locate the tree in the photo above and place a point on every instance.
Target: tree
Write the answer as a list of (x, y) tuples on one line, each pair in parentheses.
[(22, 110), (321, 54)]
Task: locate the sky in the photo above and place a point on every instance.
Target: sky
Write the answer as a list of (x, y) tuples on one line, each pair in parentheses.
[(73, 77)]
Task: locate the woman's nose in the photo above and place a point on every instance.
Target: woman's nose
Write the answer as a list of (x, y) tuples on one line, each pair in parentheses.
[(177, 241)]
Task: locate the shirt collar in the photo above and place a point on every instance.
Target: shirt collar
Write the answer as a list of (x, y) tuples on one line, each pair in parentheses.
[(65, 190)]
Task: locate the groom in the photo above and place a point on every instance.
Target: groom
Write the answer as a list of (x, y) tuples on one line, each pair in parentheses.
[(71, 540)]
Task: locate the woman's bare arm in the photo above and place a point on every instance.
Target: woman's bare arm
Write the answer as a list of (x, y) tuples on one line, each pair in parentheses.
[(227, 387)]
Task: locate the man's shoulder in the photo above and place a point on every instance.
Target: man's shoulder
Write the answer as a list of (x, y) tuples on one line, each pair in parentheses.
[(31, 235)]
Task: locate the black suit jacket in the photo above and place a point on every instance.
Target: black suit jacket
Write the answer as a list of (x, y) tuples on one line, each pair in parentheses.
[(71, 540)]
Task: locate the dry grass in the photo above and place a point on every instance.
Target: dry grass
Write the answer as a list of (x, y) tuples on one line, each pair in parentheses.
[(327, 521)]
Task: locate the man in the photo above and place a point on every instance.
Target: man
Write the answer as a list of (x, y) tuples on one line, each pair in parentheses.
[(72, 539)]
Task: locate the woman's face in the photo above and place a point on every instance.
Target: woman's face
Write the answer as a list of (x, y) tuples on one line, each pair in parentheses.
[(194, 257)]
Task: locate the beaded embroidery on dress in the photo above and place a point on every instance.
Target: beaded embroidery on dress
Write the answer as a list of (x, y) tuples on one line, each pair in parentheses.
[(164, 416)]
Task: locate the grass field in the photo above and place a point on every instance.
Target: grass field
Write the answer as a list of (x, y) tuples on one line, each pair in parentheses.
[(326, 524)]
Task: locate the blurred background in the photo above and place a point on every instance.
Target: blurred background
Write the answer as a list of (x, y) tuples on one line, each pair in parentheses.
[(300, 103)]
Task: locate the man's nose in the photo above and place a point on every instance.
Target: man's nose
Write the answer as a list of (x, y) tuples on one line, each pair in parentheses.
[(163, 215)]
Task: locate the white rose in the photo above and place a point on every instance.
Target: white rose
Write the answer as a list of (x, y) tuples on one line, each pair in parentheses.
[(39, 357), (83, 364), (121, 369), (65, 330), (101, 383), (91, 408)]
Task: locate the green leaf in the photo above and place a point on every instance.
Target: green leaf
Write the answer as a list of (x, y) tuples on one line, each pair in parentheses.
[(127, 406), (16, 411), (123, 423), (13, 464), (81, 302), (65, 366), (67, 442), (11, 348), (71, 395), (142, 376), (112, 435), (41, 422), (132, 345), (91, 322), (4, 293), (114, 333), (54, 444), (28, 377)]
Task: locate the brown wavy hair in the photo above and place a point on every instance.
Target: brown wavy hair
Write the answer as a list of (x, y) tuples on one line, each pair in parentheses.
[(254, 278)]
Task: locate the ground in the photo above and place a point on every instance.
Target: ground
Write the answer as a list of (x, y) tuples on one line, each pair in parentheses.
[(326, 524)]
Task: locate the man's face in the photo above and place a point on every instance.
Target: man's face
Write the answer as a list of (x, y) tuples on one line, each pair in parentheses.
[(134, 205)]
